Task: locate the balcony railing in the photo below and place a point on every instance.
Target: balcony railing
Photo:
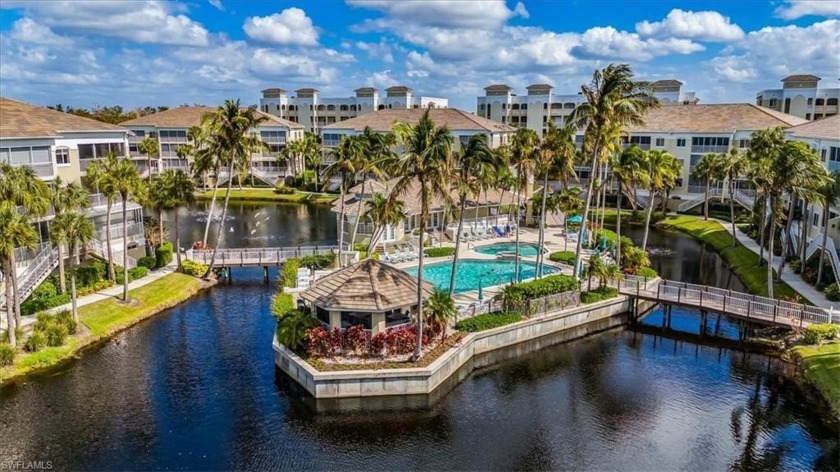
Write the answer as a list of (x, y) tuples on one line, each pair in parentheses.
[(708, 149), (135, 230), (833, 165)]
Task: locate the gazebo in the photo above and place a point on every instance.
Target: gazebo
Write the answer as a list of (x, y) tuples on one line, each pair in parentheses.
[(370, 293)]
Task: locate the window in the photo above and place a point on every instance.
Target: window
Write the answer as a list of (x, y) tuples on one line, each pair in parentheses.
[(820, 102), (62, 156), (807, 116), (810, 101), (329, 108), (660, 142), (381, 107), (569, 106), (695, 158), (834, 154), (680, 142), (743, 143), (481, 106), (709, 141), (524, 106), (504, 106), (515, 106), (556, 106), (464, 139), (822, 154), (99, 150), (503, 119), (273, 136), (772, 103), (831, 102), (86, 151)]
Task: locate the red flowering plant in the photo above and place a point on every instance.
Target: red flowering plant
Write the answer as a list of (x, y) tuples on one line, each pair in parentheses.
[(378, 344), (318, 342), (355, 339)]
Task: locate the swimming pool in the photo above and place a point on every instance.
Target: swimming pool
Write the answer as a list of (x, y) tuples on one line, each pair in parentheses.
[(470, 271), (525, 249)]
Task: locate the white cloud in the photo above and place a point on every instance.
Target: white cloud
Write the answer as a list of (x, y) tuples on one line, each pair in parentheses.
[(149, 22), (291, 26), (217, 4), (609, 43), (446, 13), (380, 51), (28, 31), (701, 25), (521, 11), (794, 9)]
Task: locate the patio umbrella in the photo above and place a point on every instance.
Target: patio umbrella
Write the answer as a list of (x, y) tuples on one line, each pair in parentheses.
[(480, 292), (574, 219)]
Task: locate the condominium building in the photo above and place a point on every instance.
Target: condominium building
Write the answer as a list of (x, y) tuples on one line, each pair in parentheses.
[(801, 96), (541, 105), (171, 129), (314, 112)]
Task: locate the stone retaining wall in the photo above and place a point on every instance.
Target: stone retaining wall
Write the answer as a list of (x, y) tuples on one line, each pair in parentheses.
[(585, 320)]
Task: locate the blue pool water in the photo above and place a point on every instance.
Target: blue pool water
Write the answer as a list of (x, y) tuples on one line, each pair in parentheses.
[(525, 249), (470, 271)]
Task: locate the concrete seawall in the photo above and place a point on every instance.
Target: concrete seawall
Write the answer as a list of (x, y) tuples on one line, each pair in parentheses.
[(475, 349)]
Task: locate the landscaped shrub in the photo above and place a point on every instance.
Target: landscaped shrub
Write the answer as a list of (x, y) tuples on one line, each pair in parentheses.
[(42, 321), (546, 286), (35, 342), (7, 354), (597, 295), (647, 273), (163, 254), (318, 261), (282, 304), (137, 273), (633, 257), (284, 190), (566, 257), (439, 251), (401, 341), (90, 274), (147, 262), (818, 333), (101, 285), (66, 318), (56, 333), (487, 321), (355, 339), (375, 256), (292, 329), (832, 293), (318, 342), (360, 247), (37, 305), (336, 340), (377, 344), (193, 268), (288, 274)]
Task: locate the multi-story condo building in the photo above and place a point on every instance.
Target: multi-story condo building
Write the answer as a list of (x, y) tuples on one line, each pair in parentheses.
[(540, 105), (801, 96), (462, 125), (314, 112), (171, 129)]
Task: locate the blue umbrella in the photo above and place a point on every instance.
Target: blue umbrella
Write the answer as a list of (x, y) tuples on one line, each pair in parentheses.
[(574, 219), (480, 292)]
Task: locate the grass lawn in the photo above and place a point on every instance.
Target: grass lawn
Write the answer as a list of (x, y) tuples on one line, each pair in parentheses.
[(106, 317), (742, 260), (822, 367), (269, 195)]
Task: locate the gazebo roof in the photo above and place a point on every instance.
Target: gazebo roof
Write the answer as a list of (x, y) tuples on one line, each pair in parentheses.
[(367, 286)]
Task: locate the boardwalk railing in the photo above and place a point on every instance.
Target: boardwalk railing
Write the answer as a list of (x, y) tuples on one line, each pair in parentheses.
[(728, 302), (256, 256)]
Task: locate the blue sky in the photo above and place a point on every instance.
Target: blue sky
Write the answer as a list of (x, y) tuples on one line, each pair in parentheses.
[(137, 53)]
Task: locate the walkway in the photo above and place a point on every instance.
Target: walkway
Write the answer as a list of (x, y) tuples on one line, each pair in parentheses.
[(261, 257), (788, 276)]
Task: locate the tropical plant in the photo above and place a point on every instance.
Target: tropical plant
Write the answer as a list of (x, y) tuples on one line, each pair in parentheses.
[(829, 195), (504, 179), (70, 197), (100, 177), (150, 147), (733, 165), (127, 183), (75, 230), (663, 169), (15, 232), (344, 166), (612, 99), (707, 169), (173, 189), (603, 271), (630, 171), (764, 146), (377, 155), (382, 212), (524, 157), (292, 328), (427, 150), (439, 310)]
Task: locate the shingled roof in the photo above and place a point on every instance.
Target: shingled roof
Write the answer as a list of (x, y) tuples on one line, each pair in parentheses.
[(187, 117), (366, 286), (801, 78), (22, 120), (825, 128), (717, 118), (383, 120)]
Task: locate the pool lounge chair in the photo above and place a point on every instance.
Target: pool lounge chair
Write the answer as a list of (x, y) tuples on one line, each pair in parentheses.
[(412, 253), (498, 231)]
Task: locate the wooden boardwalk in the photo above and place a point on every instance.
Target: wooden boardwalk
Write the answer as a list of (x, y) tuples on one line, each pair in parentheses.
[(737, 304), (256, 257)]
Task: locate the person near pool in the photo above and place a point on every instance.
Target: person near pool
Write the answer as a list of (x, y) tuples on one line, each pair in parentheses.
[(507, 229)]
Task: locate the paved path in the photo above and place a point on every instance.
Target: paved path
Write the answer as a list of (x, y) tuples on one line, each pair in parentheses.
[(111, 292), (788, 276)]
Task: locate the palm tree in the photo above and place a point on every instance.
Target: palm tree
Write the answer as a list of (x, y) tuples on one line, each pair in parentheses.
[(629, 169), (603, 271), (612, 98), (149, 146), (439, 310), (663, 169), (764, 146), (503, 180), (569, 203), (100, 176), (128, 184), (706, 170), (344, 166), (75, 230), (312, 153), (201, 163), (382, 212), (465, 176), (829, 195), (524, 146), (733, 165), (70, 197), (15, 232), (230, 136), (177, 189), (377, 156), (557, 154), (427, 150)]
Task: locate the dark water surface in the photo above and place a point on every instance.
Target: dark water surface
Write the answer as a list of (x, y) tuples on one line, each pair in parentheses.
[(196, 389)]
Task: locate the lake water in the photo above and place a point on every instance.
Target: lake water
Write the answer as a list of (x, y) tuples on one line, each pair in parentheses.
[(196, 388)]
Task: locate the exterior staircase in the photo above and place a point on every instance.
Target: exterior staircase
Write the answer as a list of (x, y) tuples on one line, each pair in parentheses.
[(32, 272), (695, 199), (814, 245), (100, 249)]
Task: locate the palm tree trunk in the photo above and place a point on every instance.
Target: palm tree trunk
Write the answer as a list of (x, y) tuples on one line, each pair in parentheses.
[(424, 215), (824, 242), (73, 303), (786, 239), (62, 285), (457, 246), (804, 228), (763, 223), (772, 237), (343, 195), (706, 201), (220, 234), (10, 317), (516, 255), (542, 228), (111, 273), (177, 240), (125, 247), (732, 210), (618, 227), (586, 204), (212, 208), (647, 219), (13, 274), (160, 226), (358, 214)]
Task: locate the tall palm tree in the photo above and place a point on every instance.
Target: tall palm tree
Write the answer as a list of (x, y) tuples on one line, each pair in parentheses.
[(663, 169), (100, 176), (557, 154), (128, 185), (612, 98), (523, 156), (230, 136), (312, 153), (705, 170), (201, 163), (629, 170), (427, 150), (75, 230), (764, 147), (733, 165), (382, 212), (150, 147), (177, 189), (569, 203), (829, 195), (15, 232), (70, 197), (503, 179), (465, 175), (344, 166), (378, 154)]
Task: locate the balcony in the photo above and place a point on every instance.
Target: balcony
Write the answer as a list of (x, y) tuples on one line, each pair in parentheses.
[(708, 149), (833, 166)]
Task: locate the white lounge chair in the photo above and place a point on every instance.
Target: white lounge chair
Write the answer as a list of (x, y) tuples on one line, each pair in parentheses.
[(395, 256), (412, 253)]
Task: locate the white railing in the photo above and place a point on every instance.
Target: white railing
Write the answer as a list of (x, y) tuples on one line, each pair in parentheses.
[(134, 230), (696, 199), (100, 249), (256, 256), (745, 199), (37, 273), (830, 250)]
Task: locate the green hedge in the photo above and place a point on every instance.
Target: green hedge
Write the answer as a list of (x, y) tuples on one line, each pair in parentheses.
[(288, 274), (90, 273), (488, 321), (196, 269), (163, 254), (318, 261), (282, 304), (566, 257), (439, 251), (546, 286), (832, 293), (818, 333), (647, 272), (147, 262), (597, 295)]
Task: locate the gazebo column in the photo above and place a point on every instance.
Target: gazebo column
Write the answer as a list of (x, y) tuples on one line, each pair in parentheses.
[(335, 319), (377, 322)]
